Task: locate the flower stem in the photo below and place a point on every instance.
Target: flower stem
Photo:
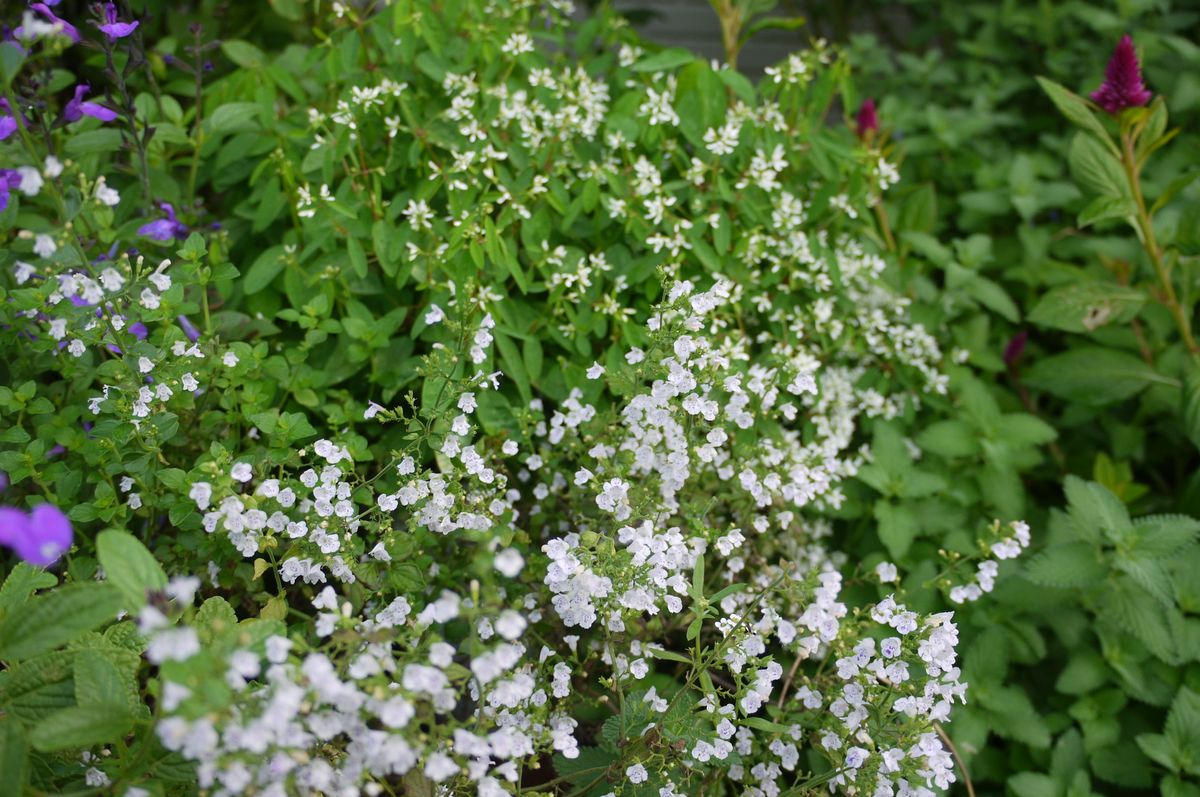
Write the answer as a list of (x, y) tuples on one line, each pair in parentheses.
[(1145, 229)]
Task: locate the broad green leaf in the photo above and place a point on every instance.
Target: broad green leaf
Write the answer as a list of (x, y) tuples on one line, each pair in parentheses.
[(234, 117), (1183, 729), (1086, 306), (97, 680), (952, 438), (1073, 564), (1096, 514), (57, 617), (23, 580), (1103, 208), (1033, 784), (105, 139), (243, 53), (12, 56), (1021, 429), (897, 527), (1162, 535), (81, 726), (129, 566), (1093, 375), (14, 757), (665, 60), (1191, 402), (1074, 107), (1097, 168)]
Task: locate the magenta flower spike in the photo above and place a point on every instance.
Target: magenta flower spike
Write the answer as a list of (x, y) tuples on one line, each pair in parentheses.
[(77, 109), (1122, 87), (39, 537), (113, 28), (867, 120)]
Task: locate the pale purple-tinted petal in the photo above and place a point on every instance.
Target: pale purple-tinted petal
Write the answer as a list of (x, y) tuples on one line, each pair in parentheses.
[(50, 535), (160, 230), (13, 524), (119, 30), (67, 28), (97, 111), (189, 328)]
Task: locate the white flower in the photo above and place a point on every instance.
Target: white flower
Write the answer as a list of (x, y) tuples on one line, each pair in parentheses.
[(509, 562), (242, 472), (44, 246), (31, 180), (596, 371), (886, 572), (637, 773), (105, 195), (53, 167), (230, 359), (435, 315)]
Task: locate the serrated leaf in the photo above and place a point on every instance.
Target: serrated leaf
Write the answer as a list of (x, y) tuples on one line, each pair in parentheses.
[(22, 582), (81, 726), (129, 566), (55, 618), (14, 756), (1074, 564), (1162, 535), (1096, 514)]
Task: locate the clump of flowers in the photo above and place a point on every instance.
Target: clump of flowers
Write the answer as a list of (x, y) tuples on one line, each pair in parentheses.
[(521, 468)]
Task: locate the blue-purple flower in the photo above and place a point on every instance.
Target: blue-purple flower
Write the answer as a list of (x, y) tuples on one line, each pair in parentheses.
[(166, 229), (8, 126), (77, 109), (9, 179), (113, 28), (39, 537)]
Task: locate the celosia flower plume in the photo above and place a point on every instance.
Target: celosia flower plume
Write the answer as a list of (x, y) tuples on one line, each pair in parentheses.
[(867, 120), (1122, 87)]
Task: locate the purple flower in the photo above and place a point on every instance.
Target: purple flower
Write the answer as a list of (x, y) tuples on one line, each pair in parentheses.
[(39, 537), (8, 126), (77, 109), (114, 29), (164, 229), (138, 330), (867, 121), (66, 28), (1015, 348), (189, 328), (9, 179), (1122, 87)]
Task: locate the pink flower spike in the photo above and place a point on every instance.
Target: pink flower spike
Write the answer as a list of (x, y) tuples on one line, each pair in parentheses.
[(1122, 87), (867, 120)]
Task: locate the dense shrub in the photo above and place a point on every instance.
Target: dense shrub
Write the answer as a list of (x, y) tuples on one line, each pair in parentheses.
[(459, 402)]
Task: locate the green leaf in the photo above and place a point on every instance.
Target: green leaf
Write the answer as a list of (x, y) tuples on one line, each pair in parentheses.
[(233, 117), (81, 726), (14, 756), (897, 527), (12, 56), (1086, 306), (1097, 168), (1183, 730), (1093, 375), (1096, 514), (1103, 208), (243, 53), (1020, 429), (1033, 784), (1075, 108), (23, 581), (1073, 564), (97, 680), (1191, 402), (1163, 535), (664, 60), (358, 258), (106, 139), (129, 566), (263, 270), (57, 617), (950, 439)]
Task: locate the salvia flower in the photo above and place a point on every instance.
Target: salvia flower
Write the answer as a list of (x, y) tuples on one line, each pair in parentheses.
[(39, 537), (77, 109), (867, 120), (10, 179), (34, 28), (114, 28), (8, 126), (164, 229), (1122, 87)]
